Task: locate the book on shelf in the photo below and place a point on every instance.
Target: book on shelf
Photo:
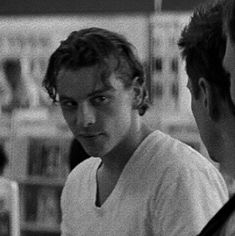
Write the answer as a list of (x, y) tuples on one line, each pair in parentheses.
[(9, 208), (42, 206), (47, 157), (48, 207), (29, 197), (40, 158)]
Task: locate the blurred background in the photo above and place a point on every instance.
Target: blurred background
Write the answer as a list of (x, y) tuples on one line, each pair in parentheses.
[(33, 133)]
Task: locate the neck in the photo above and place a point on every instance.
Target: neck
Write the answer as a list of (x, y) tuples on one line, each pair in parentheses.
[(227, 157), (227, 161), (116, 160), (225, 147)]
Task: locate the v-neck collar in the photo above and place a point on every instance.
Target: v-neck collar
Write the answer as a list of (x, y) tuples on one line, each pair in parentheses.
[(114, 194)]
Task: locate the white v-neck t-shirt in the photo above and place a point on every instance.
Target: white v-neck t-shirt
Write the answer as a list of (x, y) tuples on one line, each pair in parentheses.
[(165, 189)]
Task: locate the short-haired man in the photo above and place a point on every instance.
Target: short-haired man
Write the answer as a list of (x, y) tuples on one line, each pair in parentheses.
[(203, 47), (138, 181)]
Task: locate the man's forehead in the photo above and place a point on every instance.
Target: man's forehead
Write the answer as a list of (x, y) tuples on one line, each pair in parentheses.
[(94, 83), (101, 83), (101, 86)]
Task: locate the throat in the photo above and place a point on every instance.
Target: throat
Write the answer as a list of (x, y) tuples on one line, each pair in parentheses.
[(106, 183)]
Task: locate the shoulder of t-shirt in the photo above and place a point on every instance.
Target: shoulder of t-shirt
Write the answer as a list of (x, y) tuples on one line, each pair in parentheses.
[(172, 153), (168, 146), (173, 159)]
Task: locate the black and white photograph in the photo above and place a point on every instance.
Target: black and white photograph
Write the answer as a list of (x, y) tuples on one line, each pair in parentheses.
[(117, 118)]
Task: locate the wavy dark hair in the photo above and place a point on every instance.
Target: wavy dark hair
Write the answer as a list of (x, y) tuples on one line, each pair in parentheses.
[(96, 46)]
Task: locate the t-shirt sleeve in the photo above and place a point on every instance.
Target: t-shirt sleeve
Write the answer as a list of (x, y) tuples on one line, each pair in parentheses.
[(187, 202), (64, 208), (75, 184), (67, 202)]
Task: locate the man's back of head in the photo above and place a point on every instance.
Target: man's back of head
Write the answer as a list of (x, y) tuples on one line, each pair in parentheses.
[(203, 45)]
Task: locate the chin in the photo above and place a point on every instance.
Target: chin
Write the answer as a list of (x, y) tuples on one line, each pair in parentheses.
[(95, 152)]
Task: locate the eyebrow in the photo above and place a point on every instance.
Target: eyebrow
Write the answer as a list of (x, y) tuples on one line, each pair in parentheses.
[(98, 91), (102, 90)]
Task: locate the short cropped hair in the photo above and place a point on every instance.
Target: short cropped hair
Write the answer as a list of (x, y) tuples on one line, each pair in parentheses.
[(203, 47), (96, 46), (229, 19)]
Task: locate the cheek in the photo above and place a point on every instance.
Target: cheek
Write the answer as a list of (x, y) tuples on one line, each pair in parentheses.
[(119, 115), (233, 85), (229, 63), (119, 108), (196, 110), (69, 117), (229, 59), (232, 74), (232, 89)]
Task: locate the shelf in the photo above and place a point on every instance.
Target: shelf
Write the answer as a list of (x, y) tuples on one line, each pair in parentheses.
[(36, 227)]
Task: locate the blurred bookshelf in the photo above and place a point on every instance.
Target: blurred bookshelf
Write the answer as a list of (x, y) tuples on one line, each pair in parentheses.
[(41, 208), (37, 145), (40, 165)]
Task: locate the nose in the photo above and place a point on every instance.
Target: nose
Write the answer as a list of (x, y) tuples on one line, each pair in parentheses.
[(86, 115)]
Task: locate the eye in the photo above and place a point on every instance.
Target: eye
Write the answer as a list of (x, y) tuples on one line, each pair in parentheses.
[(98, 100), (68, 104)]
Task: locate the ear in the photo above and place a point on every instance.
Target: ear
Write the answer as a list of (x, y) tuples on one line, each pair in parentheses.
[(137, 86), (209, 98)]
